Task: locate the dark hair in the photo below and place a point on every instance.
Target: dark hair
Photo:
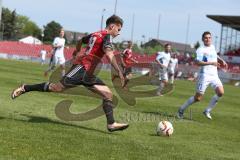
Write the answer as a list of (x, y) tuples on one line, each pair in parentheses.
[(205, 33), (167, 44), (60, 30), (129, 43), (114, 19)]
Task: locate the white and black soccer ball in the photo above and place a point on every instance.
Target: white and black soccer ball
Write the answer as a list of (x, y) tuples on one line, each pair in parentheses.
[(165, 128)]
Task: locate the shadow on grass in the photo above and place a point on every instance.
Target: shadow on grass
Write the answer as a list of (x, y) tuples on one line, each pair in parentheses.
[(161, 114), (39, 119), (168, 115), (159, 136), (153, 135), (2, 118)]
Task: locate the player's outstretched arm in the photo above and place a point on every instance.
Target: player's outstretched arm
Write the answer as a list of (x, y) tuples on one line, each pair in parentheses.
[(225, 65), (83, 40), (122, 61), (78, 48), (159, 63)]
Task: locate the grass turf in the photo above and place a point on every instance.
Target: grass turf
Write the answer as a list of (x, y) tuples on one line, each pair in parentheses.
[(29, 128)]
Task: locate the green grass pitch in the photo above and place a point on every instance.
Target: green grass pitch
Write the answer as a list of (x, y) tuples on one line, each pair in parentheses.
[(30, 130)]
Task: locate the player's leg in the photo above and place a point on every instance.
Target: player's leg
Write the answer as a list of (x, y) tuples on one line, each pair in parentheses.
[(52, 65), (80, 76), (107, 95), (128, 72), (201, 87), (71, 79), (162, 84), (41, 87), (171, 75), (42, 61), (219, 90), (163, 81), (51, 60), (193, 99), (115, 75), (62, 65)]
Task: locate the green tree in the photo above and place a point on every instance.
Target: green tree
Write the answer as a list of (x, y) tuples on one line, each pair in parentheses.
[(32, 29), (13, 23), (136, 48), (51, 30), (152, 50), (196, 45), (7, 23), (21, 21), (16, 26), (28, 27)]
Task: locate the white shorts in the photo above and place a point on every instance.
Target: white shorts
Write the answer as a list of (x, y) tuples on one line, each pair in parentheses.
[(43, 58), (171, 70), (204, 81), (58, 60), (163, 74)]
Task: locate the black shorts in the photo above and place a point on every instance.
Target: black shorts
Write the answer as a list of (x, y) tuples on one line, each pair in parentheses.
[(77, 75), (126, 70)]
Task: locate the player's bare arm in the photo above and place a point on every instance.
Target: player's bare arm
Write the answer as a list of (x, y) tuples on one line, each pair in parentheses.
[(57, 45), (225, 65), (78, 48), (112, 59), (134, 60), (201, 63), (123, 63), (161, 65)]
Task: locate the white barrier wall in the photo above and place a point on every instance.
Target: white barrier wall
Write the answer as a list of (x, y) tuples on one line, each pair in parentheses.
[(225, 76), (18, 57)]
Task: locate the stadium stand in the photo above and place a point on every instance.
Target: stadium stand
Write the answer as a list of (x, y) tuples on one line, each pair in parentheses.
[(235, 52), (31, 50), (22, 49)]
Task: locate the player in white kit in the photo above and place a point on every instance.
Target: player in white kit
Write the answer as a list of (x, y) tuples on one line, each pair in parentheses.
[(173, 65), (208, 60), (162, 60), (43, 54), (58, 57)]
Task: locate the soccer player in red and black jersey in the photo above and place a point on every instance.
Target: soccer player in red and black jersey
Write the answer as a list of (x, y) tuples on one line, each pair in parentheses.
[(127, 61), (82, 71)]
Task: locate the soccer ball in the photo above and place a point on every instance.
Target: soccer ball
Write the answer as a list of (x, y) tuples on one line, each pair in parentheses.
[(164, 128)]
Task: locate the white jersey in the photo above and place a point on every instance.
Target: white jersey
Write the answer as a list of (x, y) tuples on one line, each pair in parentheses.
[(207, 54), (163, 58), (43, 54), (173, 63), (59, 52), (208, 74)]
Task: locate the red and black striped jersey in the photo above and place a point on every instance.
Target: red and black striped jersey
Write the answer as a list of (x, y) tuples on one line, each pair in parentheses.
[(127, 57), (96, 43)]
